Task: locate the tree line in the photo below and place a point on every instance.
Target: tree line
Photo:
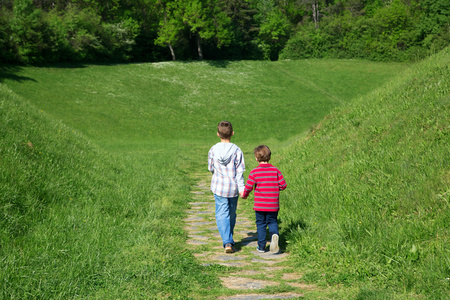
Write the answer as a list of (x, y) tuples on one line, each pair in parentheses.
[(49, 31)]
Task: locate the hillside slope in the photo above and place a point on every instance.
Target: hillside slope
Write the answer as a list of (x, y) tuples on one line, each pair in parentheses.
[(76, 221), (368, 189)]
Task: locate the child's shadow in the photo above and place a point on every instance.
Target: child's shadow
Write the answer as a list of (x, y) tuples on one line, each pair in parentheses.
[(287, 229), (285, 233), (251, 237)]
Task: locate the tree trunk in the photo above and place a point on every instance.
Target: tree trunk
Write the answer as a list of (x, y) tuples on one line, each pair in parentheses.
[(315, 7), (169, 44), (199, 47), (172, 52)]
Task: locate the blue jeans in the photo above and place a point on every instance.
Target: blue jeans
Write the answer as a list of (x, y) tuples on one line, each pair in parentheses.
[(265, 219), (226, 217)]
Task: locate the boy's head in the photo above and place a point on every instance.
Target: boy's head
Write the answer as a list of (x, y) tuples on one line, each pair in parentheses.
[(262, 153), (225, 130)]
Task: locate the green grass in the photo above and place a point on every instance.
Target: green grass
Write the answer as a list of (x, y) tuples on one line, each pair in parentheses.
[(139, 105), (93, 207), (369, 190), (80, 222)]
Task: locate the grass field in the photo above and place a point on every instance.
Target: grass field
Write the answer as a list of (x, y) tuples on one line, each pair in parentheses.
[(369, 201), (97, 163)]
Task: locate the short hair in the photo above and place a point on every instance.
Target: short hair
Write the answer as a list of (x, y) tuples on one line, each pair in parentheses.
[(225, 130), (262, 153)]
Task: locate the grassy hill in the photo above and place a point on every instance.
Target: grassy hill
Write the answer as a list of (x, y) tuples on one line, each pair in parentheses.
[(129, 105), (77, 221), (96, 163), (368, 197)]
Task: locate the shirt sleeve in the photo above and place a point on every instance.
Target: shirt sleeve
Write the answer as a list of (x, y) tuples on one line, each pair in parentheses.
[(240, 168), (281, 182), (211, 161), (249, 185)]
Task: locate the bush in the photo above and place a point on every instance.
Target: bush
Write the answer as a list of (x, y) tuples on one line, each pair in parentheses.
[(27, 28), (30, 35), (396, 32), (7, 53)]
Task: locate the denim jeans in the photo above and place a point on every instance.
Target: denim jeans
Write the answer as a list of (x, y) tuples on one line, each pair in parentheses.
[(226, 217), (265, 219)]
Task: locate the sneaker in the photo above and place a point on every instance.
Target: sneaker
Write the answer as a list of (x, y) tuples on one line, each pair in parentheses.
[(274, 244), (229, 248), (259, 250)]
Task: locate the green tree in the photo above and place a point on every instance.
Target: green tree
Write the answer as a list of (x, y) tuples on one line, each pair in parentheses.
[(434, 26), (6, 48), (146, 15), (314, 9), (26, 27), (242, 17), (207, 20), (293, 9), (243, 25), (204, 20), (108, 10), (274, 29), (171, 24)]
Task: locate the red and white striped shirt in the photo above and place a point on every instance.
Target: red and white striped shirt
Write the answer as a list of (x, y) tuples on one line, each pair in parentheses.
[(268, 182)]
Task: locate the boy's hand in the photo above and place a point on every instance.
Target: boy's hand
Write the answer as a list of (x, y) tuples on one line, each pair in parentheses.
[(242, 195)]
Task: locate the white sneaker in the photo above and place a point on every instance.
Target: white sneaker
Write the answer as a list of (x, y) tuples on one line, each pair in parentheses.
[(274, 244)]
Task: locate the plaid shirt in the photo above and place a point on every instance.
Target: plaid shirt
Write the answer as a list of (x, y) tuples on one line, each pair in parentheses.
[(227, 179)]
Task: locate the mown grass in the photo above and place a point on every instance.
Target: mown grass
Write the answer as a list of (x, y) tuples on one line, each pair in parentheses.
[(93, 207), (368, 201), (79, 222), (138, 105)]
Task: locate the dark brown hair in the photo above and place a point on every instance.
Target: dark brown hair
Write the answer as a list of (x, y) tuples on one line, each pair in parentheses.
[(262, 153), (225, 130)]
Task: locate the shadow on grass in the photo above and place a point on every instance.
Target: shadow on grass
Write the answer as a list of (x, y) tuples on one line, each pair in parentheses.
[(9, 72), (68, 65), (285, 232), (287, 229), (366, 294), (212, 63), (252, 236), (218, 63)]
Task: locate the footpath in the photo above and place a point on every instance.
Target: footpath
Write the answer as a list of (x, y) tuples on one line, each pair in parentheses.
[(258, 275)]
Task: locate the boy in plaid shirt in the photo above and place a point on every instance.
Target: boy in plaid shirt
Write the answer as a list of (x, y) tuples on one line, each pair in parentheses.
[(226, 163)]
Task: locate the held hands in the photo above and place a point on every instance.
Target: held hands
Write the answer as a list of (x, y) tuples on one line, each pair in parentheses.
[(242, 195)]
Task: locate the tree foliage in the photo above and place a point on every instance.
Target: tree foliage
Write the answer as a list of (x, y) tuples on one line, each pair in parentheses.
[(378, 30), (42, 31)]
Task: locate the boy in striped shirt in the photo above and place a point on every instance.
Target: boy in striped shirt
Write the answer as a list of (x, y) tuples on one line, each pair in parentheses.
[(267, 181)]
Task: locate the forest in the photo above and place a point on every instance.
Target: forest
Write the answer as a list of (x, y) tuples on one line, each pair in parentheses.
[(118, 31)]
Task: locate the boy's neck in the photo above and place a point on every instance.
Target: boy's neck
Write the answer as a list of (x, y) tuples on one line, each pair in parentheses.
[(225, 141), (263, 162)]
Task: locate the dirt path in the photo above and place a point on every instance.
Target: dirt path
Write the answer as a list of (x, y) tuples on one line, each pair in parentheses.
[(257, 271)]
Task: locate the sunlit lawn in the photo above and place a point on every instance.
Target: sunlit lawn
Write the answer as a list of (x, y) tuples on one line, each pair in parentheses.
[(133, 134)]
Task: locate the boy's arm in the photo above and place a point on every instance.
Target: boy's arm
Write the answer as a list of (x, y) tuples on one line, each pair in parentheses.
[(240, 168), (211, 161), (281, 182), (248, 186)]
